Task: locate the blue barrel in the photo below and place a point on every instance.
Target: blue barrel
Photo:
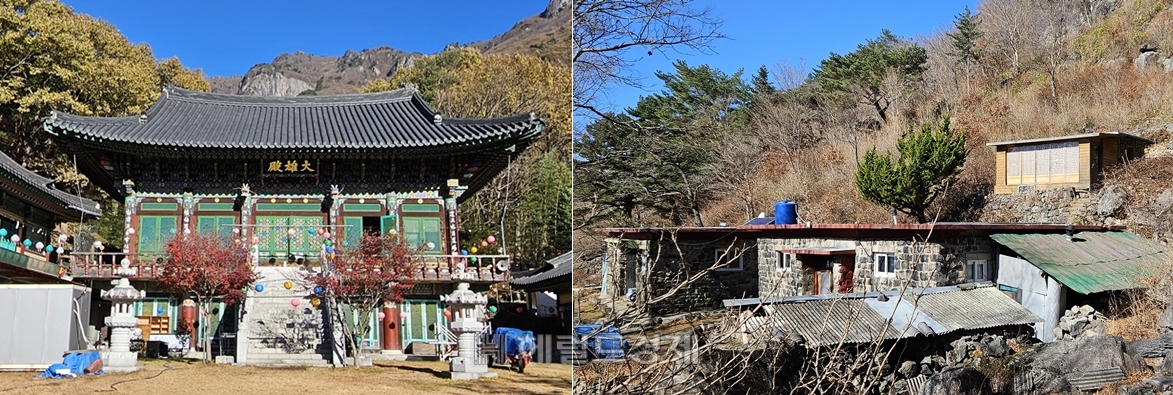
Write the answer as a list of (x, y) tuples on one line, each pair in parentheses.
[(785, 213)]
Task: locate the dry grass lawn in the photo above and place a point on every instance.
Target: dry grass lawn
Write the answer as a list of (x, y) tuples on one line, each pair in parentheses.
[(178, 377)]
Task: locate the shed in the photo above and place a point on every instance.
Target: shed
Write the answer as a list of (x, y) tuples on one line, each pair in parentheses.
[(1074, 161), (1038, 268)]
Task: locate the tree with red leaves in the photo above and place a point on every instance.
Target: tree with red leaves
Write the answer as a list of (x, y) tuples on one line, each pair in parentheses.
[(208, 267), (380, 269)]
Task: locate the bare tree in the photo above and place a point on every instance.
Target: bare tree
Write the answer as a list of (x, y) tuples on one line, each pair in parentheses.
[(606, 32)]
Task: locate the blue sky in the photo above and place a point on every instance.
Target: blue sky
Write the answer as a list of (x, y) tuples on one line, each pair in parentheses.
[(228, 37), (772, 32)]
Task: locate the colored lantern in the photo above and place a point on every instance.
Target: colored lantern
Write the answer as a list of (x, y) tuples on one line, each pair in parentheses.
[(519, 310), (3, 232), (49, 248), (292, 232), (432, 246), (311, 231), (493, 309), (315, 302), (40, 246), (159, 309), (235, 231), (328, 242), (259, 287), (484, 244), (382, 316), (325, 235), (172, 231), (345, 243), (321, 232), (27, 243), (329, 249), (447, 314), (491, 239), (317, 290), (474, 259), (463, 252), (473, 250), (289, 285), (295, 302), (256, 240), (403, 315)]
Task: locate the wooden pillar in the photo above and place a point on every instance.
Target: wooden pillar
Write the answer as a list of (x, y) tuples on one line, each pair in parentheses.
[(390, 328)]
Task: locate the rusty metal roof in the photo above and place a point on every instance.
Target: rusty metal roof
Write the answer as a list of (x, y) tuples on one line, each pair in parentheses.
[(862, 318), (1092, 261)]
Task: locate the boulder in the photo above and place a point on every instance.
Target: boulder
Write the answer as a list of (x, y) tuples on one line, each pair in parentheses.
[(960, 381), (1155, 347), (1166, 366), (908, 369), (1159, 383), (1166, 319), (1138, 389), (1111, 199), (1077, 357)]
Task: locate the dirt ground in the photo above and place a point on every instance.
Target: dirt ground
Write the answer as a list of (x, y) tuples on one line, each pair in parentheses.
[(179, 377)]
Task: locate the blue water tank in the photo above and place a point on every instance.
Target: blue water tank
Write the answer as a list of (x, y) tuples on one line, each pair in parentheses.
[(785, 213)]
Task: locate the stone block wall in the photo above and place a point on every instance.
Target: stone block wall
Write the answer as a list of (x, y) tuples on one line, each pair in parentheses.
[(919, 264), (666, 264)]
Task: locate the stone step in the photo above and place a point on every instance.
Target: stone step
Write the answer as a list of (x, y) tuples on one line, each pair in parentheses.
[(307, 357)]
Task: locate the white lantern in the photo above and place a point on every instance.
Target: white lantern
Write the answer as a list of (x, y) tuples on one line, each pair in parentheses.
[(130, 231), (15, 238), (40, 246)]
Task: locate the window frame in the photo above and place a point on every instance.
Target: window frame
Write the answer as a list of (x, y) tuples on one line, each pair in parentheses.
[(727, 266), (971, 264), (786, 261), (889, 263)]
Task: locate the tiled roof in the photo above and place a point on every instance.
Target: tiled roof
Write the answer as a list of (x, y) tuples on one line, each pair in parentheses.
[(562, 266), (1092, 262), (862, 318), (396, 120), (34, 182)]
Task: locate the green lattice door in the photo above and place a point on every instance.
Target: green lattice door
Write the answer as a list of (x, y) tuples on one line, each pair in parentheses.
[(274, 239), (422, 318)]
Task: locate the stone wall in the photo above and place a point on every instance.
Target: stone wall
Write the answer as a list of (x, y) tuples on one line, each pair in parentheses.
[(662, 265), (920, 264)]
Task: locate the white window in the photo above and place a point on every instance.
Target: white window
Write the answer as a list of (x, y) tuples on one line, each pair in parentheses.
[(885, 265), (785, 261), (728, 260), (977, 270), (1053, 163)]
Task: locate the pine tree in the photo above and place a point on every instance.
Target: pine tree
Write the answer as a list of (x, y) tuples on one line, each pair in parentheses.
[(965, 41), (929, 160)]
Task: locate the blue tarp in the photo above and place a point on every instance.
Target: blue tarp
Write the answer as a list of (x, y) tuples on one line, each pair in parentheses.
[(75, 362), (517, 341), (605, 343)]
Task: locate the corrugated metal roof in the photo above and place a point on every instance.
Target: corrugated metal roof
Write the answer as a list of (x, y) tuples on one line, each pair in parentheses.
[(1092, 262), (386, 120), (36, 182), (854, 319), (561, 267)]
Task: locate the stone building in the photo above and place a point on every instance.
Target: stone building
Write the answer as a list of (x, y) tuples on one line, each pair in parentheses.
[(700, 267), (278, 174)]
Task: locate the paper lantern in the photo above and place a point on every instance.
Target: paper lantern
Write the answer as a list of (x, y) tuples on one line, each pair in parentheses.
[(130, 231), (295, 302), (159, 310), (447, 314), (328, 242), (473, 250), (292, 232), (60, 238), (325, 235), (382, 316), (432, 246), (484, 244), (491, 239), (16, 239), (235, 231), (259, 287), (289, 285), (318, 290), (40, 246), (329, 249), (172, 231), (493, 309), (49, 248), (403, 315), (519, 310), (463, 252), (321, 232), (4, 232), (311, 231), (474, 259), (315, 302), (27, 243)]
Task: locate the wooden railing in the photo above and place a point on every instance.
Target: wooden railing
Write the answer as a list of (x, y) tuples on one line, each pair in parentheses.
[(434, 268)]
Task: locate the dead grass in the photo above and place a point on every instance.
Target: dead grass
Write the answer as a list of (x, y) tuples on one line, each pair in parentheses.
[(398, 378)]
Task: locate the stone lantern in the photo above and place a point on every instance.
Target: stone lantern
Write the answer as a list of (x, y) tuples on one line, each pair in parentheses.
[(121, 321), (467, 326)]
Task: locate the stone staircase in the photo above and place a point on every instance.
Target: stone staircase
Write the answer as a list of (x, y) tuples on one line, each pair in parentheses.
[(279, 334)]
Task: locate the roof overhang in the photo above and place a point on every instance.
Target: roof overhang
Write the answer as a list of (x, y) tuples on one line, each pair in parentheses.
[(846, 231), (1067, 138), (818, 251)]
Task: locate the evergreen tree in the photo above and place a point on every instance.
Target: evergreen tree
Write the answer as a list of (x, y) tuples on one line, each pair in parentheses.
[(965, 41), (929, 160), (861, 73)]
